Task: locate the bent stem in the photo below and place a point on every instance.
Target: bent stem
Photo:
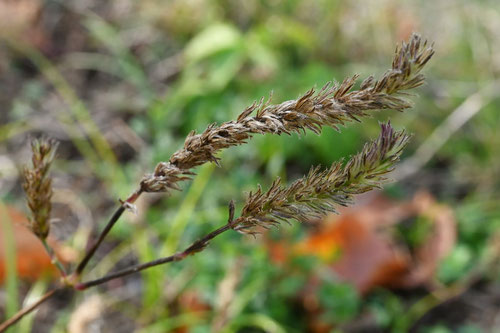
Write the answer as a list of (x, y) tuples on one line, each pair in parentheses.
[(114, 218), (13, 320), (81, 266), (197, 246), (310, 197)]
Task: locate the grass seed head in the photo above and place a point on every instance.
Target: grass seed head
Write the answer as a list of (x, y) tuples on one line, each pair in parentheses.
[(320, 192), (333, 106), (38, 185)]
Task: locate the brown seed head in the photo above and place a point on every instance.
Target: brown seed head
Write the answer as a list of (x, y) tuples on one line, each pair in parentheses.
[(317, 193), (38, 185), (332, 106)]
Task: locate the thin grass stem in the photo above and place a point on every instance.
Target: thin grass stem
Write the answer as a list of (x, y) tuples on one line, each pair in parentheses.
[(114, 218), (19, 315), (197, 246), (53, 258)]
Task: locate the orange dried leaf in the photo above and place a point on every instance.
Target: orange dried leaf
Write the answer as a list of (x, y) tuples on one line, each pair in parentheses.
[(366, 253), (32, 260)]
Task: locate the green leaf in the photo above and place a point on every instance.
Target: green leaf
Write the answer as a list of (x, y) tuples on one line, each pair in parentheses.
[(455, 264), (215, 38)]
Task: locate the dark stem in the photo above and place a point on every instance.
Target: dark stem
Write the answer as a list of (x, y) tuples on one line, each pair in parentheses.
[(118, 213), (197, 246), (11, 321)]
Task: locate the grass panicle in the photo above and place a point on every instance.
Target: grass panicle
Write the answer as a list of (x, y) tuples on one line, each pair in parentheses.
[(309, 198), (332, 106), (38, 185), (319, 192)]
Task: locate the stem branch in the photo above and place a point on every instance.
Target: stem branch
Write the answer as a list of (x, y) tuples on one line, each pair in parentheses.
[(197, 246), (118, 213), (13, 320)]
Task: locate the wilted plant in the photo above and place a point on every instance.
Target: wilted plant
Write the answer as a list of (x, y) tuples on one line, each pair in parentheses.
[(308, 198)]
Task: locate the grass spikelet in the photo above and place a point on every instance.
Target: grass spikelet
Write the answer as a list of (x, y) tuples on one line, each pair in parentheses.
[(38, 185), (319, 192), (332, 106)]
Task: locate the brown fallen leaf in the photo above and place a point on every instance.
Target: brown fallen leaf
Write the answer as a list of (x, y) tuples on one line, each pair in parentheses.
[(436, 246), (362, 249), (20, 21), (361, 246), (191, 302), (366, 258), (32, 260)]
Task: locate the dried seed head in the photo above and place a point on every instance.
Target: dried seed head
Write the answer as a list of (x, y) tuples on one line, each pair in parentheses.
[(38, 185), (319, 192), (332, 106), (165, 178)]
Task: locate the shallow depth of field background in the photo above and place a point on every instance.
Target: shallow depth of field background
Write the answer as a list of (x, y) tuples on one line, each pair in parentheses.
[(121, 83)]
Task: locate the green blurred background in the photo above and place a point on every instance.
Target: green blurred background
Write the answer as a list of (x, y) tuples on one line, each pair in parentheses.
[(121, 83)]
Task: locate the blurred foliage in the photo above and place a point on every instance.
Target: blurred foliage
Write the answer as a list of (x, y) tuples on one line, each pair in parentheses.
[(121, 83)]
